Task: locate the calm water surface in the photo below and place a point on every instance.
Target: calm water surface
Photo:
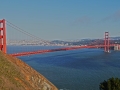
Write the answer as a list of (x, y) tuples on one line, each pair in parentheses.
[(81, 69)]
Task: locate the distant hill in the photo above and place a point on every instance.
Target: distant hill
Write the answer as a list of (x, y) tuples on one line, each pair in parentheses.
[(16, 75), (86, 41), (114, 38)]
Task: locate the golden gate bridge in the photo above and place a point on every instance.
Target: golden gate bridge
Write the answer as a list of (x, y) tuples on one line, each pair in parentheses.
[(3, 47)]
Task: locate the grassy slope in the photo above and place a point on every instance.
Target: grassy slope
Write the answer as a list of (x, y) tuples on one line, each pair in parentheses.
[(16, 75), (8, 75)]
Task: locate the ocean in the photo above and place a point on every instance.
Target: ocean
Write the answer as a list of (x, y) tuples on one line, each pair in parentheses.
[(81, 69)]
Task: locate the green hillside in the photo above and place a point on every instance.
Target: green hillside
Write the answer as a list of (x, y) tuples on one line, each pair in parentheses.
[(16, 75)]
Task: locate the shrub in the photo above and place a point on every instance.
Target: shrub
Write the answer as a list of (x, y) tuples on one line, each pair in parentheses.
[(110, 84)]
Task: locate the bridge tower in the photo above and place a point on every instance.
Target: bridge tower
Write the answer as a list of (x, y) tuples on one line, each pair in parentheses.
[(3, 36), (106, 42)]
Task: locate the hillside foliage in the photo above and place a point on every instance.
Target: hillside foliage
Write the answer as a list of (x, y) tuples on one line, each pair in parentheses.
[(17, 75), (110, 84)]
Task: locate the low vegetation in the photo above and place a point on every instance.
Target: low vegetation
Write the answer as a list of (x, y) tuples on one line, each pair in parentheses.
[(16, 75), (8, 73), (110, 84)]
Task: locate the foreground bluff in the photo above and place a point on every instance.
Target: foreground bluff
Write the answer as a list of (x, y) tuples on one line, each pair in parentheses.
[(16, 75)]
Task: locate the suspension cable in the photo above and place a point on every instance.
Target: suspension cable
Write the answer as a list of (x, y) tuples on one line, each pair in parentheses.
[(24, 32)]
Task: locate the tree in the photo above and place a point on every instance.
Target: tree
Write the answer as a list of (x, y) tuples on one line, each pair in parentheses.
[(110, 84)]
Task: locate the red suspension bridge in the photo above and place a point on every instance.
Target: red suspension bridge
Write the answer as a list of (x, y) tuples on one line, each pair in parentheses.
[(3, 47)]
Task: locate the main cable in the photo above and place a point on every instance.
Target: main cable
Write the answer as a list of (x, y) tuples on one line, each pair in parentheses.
[(23, 31)]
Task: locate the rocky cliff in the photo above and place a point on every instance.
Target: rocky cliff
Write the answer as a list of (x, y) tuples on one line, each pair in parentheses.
[(17, 75)]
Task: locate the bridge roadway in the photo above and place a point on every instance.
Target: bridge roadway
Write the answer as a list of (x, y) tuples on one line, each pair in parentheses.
[(59, 49)]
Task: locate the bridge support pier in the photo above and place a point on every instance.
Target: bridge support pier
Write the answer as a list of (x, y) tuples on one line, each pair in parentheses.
[(3, 36), (106, 42)]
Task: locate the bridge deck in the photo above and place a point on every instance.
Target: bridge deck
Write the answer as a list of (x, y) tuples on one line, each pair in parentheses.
[(59, 49)]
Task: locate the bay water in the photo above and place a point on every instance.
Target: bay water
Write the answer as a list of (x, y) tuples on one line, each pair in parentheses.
[(81, 69)]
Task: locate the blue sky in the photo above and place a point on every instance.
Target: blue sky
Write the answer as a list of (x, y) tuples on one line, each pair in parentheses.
[(63, 19)]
